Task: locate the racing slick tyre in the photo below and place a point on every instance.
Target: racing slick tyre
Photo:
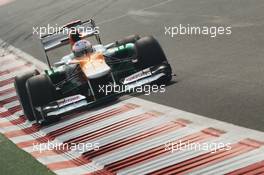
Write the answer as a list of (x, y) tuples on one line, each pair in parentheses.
[(149, 53), (128, 39), (20, 87), (40, 91)]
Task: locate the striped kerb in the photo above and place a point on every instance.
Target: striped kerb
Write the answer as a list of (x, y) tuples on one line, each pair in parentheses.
[(52, 135)]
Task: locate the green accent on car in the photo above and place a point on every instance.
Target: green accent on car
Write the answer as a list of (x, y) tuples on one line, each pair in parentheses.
[(124, 67)]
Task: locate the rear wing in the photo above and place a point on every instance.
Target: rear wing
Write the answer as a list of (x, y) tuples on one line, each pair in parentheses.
[(60, 37)]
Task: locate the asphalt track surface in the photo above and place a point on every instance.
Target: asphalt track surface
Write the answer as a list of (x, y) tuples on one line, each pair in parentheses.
[(220, 78)]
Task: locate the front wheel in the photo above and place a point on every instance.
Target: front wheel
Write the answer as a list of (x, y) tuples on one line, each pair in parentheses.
[(40, 91), (20, 86)]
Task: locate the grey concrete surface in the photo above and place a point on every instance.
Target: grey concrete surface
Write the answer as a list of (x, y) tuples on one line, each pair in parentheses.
[(221, 78)]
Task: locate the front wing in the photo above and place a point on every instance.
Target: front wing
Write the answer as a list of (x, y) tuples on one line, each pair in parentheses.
[(56, 109)]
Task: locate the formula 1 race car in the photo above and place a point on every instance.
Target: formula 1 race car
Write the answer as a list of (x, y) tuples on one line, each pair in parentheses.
[(77, 81)]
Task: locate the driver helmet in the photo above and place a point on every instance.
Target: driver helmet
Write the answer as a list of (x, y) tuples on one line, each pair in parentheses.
[(81, 48), (74, 36)]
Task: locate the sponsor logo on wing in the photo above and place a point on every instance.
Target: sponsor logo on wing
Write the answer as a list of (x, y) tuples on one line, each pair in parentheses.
[(137, 76), (69, 100)]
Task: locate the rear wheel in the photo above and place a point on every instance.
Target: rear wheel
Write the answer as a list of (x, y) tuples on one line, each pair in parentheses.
[(20, 86), (40, 91), (149, 52)]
